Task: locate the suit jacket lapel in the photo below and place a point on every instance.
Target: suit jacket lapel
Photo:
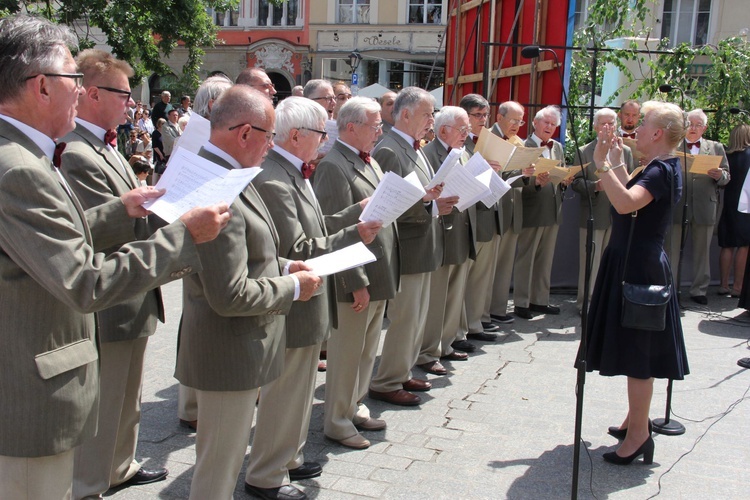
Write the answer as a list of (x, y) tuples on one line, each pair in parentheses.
[(298, 182), (112, 157), (359, 166), (413, 156)]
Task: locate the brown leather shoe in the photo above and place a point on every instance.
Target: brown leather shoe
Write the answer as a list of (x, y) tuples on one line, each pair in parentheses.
[(434, 367), (398, 397), (357, 442), (371, 424), (417, 385), (456, 356)]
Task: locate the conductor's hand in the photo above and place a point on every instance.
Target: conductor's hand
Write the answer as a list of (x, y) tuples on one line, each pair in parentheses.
[(134, 199), (205, 223), (368, 230), (308, 283), (445, 205)]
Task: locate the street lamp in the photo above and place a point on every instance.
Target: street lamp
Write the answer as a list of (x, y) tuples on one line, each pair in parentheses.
[(354, 59)]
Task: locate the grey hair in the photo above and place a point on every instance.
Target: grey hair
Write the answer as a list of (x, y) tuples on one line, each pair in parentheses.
[(313, 86), (551, 112), (508, 106), (473, 101), (604, 113), (355, 110), (448, 115), (211, 88), (698, 113), (298, 112), (249, 76), (29, 46), (238, 104), (409, 98)]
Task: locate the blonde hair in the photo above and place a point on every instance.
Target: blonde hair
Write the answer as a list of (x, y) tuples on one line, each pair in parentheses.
[(668, 117), (739, 138)]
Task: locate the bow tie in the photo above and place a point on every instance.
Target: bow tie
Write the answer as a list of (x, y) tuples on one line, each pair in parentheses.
[(365, 157), (628, 136), (57, 157), (474, 139), (696, 144), (111, 138), (547, 144), (417, 144), (307, 170)]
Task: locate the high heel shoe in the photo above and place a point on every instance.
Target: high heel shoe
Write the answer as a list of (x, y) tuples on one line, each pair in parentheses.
[(621, 433), (646, 449)]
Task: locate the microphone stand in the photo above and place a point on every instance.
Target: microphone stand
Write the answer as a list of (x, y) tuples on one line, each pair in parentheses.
[(665, 425), (532, 52)]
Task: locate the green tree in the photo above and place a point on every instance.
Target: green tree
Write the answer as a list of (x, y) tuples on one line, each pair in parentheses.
[(141, 32)]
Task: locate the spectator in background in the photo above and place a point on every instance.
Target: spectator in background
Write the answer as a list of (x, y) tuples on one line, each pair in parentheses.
[(162, 108), (298, 91), (386, 105), (321, 92), (257, 78), (343, 93), (184, 109)]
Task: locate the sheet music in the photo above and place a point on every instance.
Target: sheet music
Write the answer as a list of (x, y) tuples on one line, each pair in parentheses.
[(192, 181), (494, 148), (542, 165), (392, 197), (196, 134), (559, 174), (332, 129), (701, 164), (347, 258), (445, 169), (460, 182), (522, 158), (484, 173)]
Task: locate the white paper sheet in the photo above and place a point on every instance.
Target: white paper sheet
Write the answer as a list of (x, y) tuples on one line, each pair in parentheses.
[(445, 169), (460, 182), (744, 203), (333, 133), (352, 256), (192, 181), (196, 134), (393, 196)]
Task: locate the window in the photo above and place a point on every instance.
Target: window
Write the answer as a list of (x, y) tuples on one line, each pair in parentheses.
[(425, 11), (226, 18), (686, 21), (581, 13), (277, 15), (353, 12)]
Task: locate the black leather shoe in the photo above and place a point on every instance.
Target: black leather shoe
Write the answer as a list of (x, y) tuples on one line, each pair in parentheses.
[(305, 471), (699, 299), (463, 346), (483, 336), (501, 319), (523, 312), (490, 327), (544, 309), (744, 362), (286, 492), (145, 476)]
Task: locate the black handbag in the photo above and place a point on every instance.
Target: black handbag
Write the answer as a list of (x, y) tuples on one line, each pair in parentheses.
[(644, 307)]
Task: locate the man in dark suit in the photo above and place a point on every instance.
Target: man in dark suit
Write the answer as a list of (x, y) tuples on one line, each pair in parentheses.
[(488, 229), (97, 173), (162, 107), (702, 196), (589, 186), (348, 175), (285, 407), (509, 122), (420, 235), (232, 330), (542, 215), (445, 329), (52, 279)]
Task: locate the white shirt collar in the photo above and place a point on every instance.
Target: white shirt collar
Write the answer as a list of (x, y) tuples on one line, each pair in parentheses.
[(213, 149), (44, 142), (290, 157), (356, 151), (406, 136), (94, 129)]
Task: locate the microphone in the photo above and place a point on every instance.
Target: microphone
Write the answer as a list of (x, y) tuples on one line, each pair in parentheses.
[(735, 111), (530, 51), (666, 88)]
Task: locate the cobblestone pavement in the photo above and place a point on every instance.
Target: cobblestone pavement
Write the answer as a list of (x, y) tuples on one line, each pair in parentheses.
[(501, 424)]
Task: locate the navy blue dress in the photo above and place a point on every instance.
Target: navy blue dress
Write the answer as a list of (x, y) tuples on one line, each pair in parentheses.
[(612, 349)]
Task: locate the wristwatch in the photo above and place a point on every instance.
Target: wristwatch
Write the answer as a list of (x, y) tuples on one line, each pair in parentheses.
[(605, 168)]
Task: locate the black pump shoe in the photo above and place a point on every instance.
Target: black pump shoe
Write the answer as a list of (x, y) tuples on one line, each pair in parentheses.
[(646, 449), (621, 433)]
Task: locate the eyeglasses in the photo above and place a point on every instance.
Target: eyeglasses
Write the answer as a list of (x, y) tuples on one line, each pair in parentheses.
[(520, 123), (376, 128), (77, 77), (323, 133), (264, 85), (127, 93), (696, 125), (328, 98), (479, 116), (269, 135), (462, 130)]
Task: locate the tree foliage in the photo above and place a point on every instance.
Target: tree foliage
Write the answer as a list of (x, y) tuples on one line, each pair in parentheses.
[(141, 32), (724, 84)]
